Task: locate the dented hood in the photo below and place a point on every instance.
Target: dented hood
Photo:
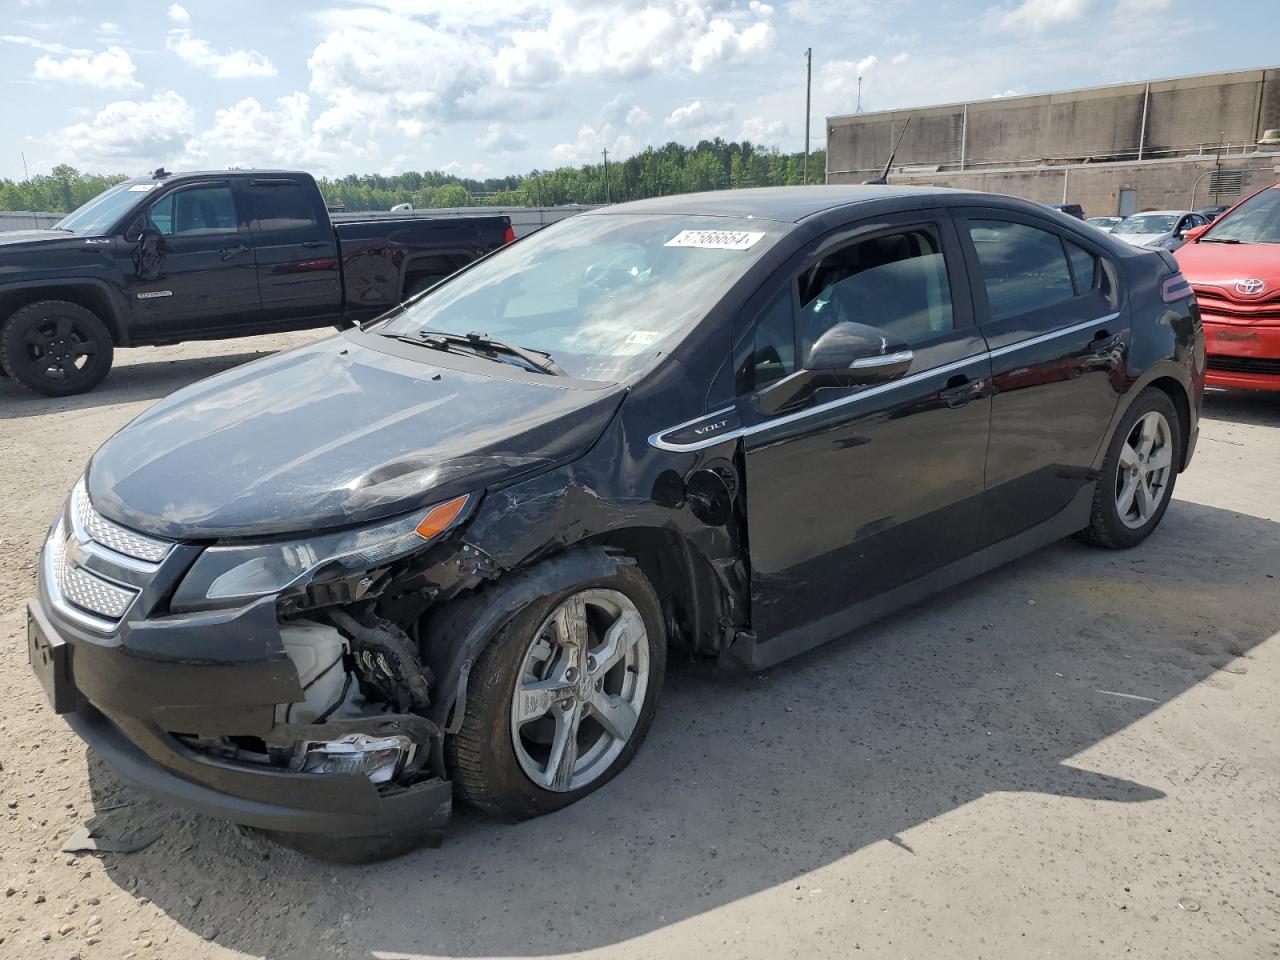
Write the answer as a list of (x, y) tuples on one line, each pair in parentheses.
[(338, 433)]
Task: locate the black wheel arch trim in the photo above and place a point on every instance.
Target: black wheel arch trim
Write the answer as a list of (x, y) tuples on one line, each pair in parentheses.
[(56, 289)]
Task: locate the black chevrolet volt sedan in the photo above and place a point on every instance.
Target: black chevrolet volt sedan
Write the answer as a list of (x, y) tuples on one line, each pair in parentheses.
[(445, 554)]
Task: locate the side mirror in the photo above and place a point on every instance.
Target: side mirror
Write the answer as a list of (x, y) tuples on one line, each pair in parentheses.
[(847, 355), (134, 231), (1192, 232)]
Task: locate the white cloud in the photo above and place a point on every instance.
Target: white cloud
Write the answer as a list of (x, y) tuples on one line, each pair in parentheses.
[(249, 134), (591, 141), (499, 139), (129, 134), (1038, 15), (700, 120), (232, 65), (112, 69), (44, 45), (637, 116), (178, 13), (762, 131)]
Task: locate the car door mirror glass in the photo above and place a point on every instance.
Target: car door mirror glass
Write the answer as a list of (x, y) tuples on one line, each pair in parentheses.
[(133, 232)]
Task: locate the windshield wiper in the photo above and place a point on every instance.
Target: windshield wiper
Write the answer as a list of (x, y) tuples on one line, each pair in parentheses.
[(1222, 240), (483, 345)]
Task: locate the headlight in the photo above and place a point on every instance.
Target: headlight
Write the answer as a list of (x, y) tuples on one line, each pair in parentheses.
[(223, 576)]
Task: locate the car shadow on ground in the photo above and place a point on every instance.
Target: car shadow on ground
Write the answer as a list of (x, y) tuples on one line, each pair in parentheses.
[(1257, 407), (752, 781), (127, 383)]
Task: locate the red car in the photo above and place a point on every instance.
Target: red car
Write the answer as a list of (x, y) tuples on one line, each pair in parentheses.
[(1233, 265)]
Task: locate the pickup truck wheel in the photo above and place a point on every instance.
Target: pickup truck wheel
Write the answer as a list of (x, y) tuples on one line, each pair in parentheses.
[(560, 699), (56, 348)]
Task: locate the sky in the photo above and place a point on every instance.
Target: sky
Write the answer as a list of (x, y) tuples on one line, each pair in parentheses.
[(490, 87)]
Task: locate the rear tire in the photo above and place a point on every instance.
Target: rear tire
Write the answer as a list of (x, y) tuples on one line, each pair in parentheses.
[(417, 285), (56, 348), (534, 702), (1138, 474)]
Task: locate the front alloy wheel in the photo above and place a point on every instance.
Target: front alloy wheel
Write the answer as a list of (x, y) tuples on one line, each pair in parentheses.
[(582, 686), (1146, 459), (561, 697)]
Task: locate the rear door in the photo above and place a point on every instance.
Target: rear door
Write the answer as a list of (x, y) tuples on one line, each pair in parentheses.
[(200, 276), (297, 254), (862, 490), (1048, 305)]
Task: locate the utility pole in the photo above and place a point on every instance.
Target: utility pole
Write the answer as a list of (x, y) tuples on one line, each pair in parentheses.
[(808, 89), (858, 108), (25, 175), (1217, 173), (605, 153)]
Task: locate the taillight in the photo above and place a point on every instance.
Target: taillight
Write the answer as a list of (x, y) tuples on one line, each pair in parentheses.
[(1175, 288), (510, 235)]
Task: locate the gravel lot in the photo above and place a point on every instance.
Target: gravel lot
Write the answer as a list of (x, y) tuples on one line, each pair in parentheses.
[(1075, 756)]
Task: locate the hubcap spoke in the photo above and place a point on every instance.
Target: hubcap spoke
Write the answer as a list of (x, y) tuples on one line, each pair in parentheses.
[(1145, 498), (571, 630), (622, 636), (1160, 458), (37, 337), (85, 349), (535, 699), (1147, 435), (64, 328), (614, 714), (1127, 492), (1128, 457), (564, 749)]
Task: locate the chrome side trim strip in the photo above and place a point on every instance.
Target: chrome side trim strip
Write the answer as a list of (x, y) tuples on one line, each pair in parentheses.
[(1046, 337), (656, 440)]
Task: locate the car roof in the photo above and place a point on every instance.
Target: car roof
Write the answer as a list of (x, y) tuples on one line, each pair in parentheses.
[(787, 204), (1160, 213)]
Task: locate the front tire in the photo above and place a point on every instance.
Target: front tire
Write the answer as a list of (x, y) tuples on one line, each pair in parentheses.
[(1138, 474), (561, 697), (56, 348)]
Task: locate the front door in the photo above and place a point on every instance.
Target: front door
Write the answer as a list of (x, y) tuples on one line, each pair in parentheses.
[(1047, 304), (296, 252), (861, 491), (193, 271)]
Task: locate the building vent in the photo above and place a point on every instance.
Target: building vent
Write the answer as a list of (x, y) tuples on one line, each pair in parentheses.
[(1227, 183), (1270, 137)]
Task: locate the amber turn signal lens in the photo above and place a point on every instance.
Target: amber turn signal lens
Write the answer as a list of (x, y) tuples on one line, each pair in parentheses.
[(441, 516)]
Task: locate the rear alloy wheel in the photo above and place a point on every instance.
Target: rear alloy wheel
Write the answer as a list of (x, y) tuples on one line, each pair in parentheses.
[(56, 348), (560, 699), (1139, 473)]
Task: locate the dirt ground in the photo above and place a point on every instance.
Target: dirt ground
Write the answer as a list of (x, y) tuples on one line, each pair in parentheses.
[(1075, 756)]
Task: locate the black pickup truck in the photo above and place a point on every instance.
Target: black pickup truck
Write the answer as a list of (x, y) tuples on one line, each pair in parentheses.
[(200, 256)]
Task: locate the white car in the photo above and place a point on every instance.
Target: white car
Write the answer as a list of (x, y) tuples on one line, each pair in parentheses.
[(1165, 229), (1105, 224)]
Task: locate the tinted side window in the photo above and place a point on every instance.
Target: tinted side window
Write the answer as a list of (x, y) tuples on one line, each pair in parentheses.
[(282, 206), (1023, 268), (896, 283), (200, 210), (773, 350), (1085, 267)]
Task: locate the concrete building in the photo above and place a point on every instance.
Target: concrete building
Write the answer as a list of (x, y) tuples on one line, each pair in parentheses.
[(1182, 143)]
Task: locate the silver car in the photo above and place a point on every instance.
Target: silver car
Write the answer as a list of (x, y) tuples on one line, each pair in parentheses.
[(1165, 229), (1105, 224)]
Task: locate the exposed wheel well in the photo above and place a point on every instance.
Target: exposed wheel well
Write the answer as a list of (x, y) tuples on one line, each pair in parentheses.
[(1178, 395), (693, 602), (85, 295)]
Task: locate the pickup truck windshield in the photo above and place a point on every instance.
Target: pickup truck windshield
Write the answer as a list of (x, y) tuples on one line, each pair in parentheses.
[(601, 294), (102, 212), (1257, 220)]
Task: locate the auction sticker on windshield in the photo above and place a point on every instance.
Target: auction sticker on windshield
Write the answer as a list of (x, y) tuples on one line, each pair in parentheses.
[(715, 239)]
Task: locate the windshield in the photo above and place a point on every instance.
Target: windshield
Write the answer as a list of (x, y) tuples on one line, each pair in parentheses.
[(102, 212), (602, 294), (1146, 223), (1257, 220)]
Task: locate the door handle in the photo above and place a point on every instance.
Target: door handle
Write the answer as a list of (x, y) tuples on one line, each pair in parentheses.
[(229, 253), (960, 390), (312, 244)]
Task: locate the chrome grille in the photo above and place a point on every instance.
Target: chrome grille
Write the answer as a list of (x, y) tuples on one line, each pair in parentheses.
[(82, 589), (112, 535)]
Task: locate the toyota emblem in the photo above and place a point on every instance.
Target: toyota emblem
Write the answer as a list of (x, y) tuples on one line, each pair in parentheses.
[(1250, 288)]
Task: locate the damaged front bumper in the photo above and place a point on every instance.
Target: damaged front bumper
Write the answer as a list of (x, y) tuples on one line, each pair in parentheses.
[(144, 694)]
